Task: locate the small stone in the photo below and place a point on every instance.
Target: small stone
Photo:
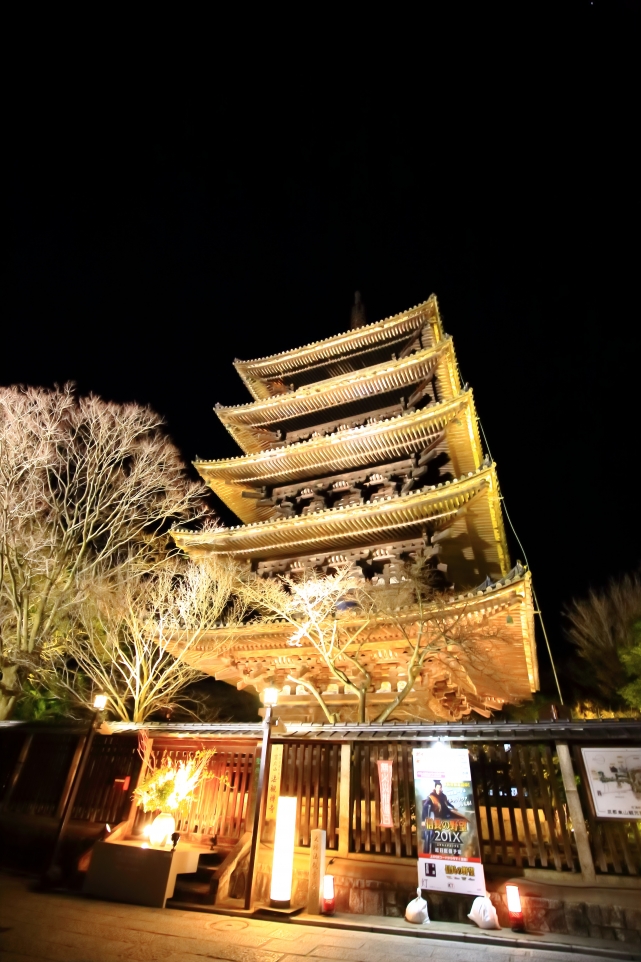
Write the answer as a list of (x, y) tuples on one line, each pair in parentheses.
[(356, 901), (373, 902)]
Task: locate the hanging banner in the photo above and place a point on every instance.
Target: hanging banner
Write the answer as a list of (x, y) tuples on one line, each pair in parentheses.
[(385, 785), (614, 777), (449, 857)]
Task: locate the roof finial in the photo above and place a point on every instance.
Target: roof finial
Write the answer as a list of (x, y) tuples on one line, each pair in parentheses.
[(358, 312)]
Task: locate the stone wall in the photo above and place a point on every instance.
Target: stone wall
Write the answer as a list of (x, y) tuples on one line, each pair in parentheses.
[(565, 917)]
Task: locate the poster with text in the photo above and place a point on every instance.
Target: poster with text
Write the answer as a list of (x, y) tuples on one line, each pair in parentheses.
[(614, 776), (449, 857)]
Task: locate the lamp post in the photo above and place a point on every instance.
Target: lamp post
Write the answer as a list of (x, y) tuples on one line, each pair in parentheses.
[(53, 872), (270, 699)]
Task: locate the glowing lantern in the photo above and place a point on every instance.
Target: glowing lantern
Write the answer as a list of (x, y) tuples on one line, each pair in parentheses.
[(329, 899), (270, 696), (283, 866), (161, 830), (514, 908), (100, 702)]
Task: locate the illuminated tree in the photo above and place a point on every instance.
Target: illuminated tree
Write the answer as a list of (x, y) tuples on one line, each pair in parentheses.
[(86, 488), (130, 637), (335, 614)]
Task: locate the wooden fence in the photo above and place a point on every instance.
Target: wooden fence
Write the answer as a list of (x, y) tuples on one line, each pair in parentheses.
[(366, 834), (311, 772), (523, 814), (521, 803), (223, 799), (523, 817)]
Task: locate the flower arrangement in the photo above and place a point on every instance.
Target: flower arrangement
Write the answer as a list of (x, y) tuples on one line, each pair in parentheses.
[(173, 783)]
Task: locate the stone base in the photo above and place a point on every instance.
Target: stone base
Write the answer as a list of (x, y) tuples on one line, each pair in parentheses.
[(373, 887)]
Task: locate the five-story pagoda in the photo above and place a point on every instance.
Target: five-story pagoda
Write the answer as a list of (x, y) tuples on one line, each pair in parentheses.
[(364, 449)]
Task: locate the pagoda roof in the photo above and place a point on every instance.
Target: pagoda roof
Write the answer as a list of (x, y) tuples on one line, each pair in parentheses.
[(257, 373), (249, 423), (356, 524), (367, 444), (269, 641)]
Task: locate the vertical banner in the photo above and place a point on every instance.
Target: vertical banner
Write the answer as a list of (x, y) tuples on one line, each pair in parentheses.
[(449, 856), (385, 785), (273, 791)]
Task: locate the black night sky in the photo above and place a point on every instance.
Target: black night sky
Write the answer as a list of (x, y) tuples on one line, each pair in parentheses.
[(169, 210)]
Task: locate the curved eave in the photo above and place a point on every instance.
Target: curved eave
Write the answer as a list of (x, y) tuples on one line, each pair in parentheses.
[(254, 373), (343, 451), (249, 423), (270, 641), (342, 527)]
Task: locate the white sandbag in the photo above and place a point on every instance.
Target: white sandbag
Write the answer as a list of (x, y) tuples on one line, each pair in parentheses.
[(484, 913), (416, 911)]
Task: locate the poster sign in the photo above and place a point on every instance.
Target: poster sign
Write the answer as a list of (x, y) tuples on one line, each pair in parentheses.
[(449, 857), (614, 777), (385, 785)]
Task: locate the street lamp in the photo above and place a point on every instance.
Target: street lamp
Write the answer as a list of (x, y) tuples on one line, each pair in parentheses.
[(53, 873), (270, 700)]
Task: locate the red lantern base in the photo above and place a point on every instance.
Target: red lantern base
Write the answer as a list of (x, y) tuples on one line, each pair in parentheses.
[(329, 906)]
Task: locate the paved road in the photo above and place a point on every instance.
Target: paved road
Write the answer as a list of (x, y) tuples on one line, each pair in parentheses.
[(68, 928)]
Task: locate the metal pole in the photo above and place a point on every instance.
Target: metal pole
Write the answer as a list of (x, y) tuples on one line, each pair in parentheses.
[(258, 810), (53, 873)]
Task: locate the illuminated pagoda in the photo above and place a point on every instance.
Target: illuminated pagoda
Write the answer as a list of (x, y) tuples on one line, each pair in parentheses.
[(364, 448)]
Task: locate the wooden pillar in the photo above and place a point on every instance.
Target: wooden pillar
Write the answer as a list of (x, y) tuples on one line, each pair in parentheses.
[(344, 814), (316, 871), (576, 814)]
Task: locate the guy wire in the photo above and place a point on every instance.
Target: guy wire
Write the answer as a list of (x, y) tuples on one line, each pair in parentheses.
[(536, 600)]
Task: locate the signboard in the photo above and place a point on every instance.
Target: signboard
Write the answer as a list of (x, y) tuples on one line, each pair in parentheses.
[(385, 786), (449, 857), (614, 777)]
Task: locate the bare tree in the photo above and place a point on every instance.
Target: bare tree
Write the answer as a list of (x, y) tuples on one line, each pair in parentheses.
[(336, 614), (605, 629), (130, 640), (85, 486)]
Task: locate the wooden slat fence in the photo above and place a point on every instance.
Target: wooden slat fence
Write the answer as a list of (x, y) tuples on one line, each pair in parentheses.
[(222, 801), (520, 802), (366, 834), (104, 794), (521, 806), (311, 772), (40, 788)]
